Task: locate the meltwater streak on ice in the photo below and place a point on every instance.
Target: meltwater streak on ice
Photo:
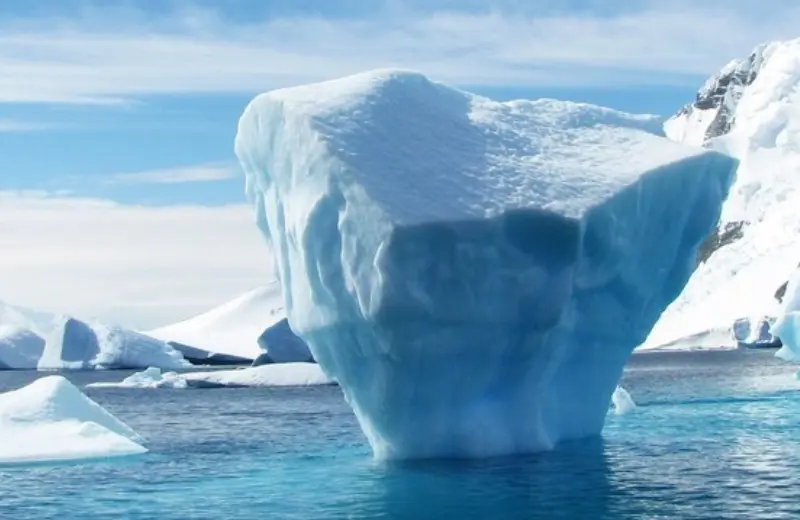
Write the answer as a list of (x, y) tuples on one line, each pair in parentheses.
[(474, 274)]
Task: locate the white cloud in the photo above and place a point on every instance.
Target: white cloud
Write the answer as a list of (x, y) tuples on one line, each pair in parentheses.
[(111, 57), (179, 175), (135, 265), (13, 125)]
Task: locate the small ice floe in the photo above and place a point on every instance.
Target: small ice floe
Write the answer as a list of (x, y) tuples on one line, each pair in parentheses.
[(622, 401), (51, 420)]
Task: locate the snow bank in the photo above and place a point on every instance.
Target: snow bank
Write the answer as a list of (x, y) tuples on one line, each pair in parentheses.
[(474, 274), (755, 104), (235, 328), (50, 419), (283, 374)]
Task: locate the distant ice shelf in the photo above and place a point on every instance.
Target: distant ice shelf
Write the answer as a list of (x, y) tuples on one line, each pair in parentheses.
[(474, 274)]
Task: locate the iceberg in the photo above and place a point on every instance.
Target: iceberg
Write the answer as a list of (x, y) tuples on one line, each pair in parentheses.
[(38, 340), (51, 420), (271, 375), (787, 326), (281, 345), (473, 274), (241, 329), (755, 333), (76, 345), (622, 401), (20, 348)]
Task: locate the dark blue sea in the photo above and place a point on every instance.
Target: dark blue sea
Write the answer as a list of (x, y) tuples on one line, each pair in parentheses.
[(715, 436)]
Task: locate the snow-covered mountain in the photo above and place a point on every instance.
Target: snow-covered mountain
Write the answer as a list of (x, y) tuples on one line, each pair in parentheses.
[(234, 328), (750, 110)]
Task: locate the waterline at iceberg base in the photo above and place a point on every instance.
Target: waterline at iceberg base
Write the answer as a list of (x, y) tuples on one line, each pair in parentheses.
[(474, 274)]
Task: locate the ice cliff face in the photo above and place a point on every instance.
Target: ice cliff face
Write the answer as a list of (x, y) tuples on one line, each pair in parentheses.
[(474, 274), (750, 110)]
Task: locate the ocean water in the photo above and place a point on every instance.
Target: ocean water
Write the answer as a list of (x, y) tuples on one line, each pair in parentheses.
[(714, 435)]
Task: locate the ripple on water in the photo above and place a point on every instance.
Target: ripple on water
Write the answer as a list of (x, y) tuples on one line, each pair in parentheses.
[(710, 438)]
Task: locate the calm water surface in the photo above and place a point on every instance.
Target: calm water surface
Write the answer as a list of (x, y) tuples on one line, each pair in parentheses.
[(715, 436)]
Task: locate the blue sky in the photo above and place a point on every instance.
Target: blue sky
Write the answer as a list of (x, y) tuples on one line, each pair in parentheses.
[(127, 110)]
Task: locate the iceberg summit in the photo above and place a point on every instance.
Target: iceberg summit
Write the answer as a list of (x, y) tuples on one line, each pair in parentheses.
[(474, 274)]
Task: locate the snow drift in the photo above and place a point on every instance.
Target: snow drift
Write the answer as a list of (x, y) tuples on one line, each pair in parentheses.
[(51, 419), (750, 110), (243, 328), (474, 274)]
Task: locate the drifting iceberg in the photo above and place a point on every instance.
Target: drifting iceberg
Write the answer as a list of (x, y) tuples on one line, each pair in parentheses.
[(32, 339), (76, 345), (20, 348), (755, 333), (238, 330), (276, 374), (474, 274), (51, 419), (622, 401), (787, 326)]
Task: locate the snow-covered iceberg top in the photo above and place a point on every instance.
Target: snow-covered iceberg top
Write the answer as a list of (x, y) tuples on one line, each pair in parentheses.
[(474, 274), (50, 419), (264, 376)]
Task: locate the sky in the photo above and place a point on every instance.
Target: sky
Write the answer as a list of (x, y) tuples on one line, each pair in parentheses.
[(120, 196)]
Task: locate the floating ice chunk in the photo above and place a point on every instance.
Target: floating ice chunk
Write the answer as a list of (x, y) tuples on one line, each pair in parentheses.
[(474, 274), (51, 419), (277, 374), (235, 329), (76, 345), (787, 326), (755, 332), (20, 348), (622, 401), (282, 345)]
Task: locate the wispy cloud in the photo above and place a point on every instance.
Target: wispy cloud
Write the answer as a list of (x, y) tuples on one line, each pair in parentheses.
[(109, 57), (142, 266), (13, 125), (185, 174)]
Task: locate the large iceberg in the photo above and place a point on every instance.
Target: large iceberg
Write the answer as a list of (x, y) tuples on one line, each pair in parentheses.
[(50, 419), (474, 274), (751, 111)]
